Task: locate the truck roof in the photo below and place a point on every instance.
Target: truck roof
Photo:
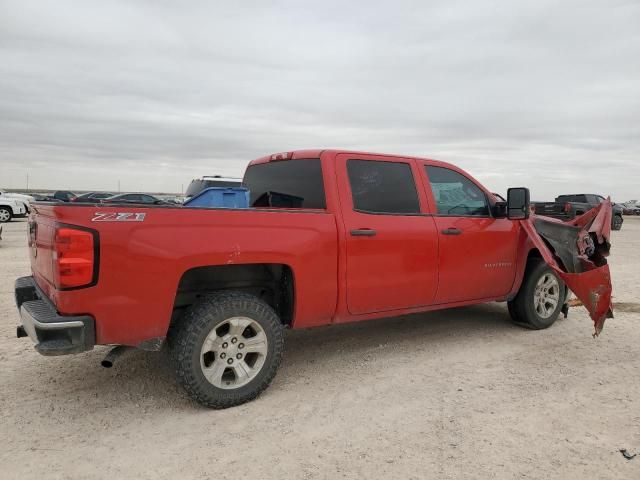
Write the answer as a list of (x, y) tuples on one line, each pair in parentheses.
[(315, 153), (576, 194)]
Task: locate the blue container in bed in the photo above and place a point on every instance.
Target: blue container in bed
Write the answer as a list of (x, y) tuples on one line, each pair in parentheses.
[(220, 197)]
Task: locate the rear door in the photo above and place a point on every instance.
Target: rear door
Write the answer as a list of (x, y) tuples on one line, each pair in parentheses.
[(391, 241), (477, 252)]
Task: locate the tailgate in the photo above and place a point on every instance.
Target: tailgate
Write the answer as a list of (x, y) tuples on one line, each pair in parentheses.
[(41, 238), (64, 255)]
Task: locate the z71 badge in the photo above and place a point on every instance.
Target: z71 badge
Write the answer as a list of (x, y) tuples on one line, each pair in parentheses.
[(118, 217)]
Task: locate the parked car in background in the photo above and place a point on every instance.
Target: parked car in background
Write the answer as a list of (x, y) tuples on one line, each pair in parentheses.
[(199, 184), (92, 197), (567, 207), (632, 207), (39, 197), (64, 195), (25, 200), (143, 198), (9, 208)]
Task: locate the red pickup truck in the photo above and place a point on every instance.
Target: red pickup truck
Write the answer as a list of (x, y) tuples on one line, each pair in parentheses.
[(330, 237)]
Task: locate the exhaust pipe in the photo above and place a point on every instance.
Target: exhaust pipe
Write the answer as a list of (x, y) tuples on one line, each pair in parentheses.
[(114, 353)]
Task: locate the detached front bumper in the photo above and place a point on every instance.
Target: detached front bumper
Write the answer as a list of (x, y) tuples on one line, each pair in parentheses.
[(53, 334)]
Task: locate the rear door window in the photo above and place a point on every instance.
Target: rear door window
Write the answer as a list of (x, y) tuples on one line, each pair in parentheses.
[(286, 184), (383, 187), (455, 194)]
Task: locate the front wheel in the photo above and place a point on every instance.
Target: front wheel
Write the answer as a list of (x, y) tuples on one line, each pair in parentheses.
[(541, 297), (227, 349), (617, 222), (5, 214)]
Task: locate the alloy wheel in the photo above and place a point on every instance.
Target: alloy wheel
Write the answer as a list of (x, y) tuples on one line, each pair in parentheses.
[(546, 295), (233, 352)]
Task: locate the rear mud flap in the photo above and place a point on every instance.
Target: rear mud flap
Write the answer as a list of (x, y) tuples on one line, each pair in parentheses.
[(577, 251)]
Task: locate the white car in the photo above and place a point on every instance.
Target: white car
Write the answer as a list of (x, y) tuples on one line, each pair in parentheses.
[(10, 208), (21, 198)]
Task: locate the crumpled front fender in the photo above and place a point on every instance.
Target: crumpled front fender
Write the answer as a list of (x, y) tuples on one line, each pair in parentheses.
[(576, 250)]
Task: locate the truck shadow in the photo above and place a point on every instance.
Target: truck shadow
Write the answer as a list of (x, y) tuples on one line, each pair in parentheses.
[(146, 380), (412, 331)]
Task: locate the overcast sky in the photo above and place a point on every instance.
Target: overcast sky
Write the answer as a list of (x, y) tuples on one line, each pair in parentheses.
[(544, 94)]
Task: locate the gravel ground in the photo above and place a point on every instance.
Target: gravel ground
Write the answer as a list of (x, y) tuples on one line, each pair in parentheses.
[(454, 394)]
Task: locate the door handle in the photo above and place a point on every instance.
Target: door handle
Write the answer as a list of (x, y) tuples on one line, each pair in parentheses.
[(451, 231), (363, 232)]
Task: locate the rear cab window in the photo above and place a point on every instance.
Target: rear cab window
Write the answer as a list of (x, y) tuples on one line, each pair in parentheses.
[(594, 199), (571, 198), (286, 184)]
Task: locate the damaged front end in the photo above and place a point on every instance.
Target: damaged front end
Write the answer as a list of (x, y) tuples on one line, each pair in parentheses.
[(577, 251)]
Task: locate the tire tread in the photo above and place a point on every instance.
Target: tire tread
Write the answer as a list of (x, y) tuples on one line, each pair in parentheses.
[(185, 336), (518, 307)]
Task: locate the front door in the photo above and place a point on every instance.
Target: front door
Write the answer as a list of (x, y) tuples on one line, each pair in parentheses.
[(391, 242), (477, 252)]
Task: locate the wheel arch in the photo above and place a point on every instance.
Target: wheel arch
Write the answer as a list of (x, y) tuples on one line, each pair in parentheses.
[(523, 261), (272, 282)]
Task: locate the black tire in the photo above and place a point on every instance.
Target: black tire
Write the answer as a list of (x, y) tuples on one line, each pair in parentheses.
[(617, 222), (522, 308), (512, 311), (6, 213), (187, 337)]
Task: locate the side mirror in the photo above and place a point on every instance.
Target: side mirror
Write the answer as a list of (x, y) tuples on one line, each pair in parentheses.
[(518, 203)]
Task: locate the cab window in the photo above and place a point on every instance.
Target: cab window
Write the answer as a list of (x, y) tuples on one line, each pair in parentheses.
[(382, 187), (455, 194)]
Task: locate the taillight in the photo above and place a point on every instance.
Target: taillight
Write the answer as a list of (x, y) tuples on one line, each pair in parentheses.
[(567, 207), (73, 258)]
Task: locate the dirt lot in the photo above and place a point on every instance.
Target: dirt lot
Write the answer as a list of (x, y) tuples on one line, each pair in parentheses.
[(454, 394)]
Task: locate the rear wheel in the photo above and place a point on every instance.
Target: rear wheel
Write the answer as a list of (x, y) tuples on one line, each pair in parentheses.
[(227, 349), (5, 214), (541, 297)]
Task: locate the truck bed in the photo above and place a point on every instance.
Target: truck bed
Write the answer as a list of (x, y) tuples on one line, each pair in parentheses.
[(146, 251)]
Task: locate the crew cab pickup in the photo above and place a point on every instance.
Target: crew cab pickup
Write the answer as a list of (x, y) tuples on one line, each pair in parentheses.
[(567, 207), (330, 237)]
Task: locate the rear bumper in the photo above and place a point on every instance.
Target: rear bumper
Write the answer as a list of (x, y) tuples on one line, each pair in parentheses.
[(52, 334)]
